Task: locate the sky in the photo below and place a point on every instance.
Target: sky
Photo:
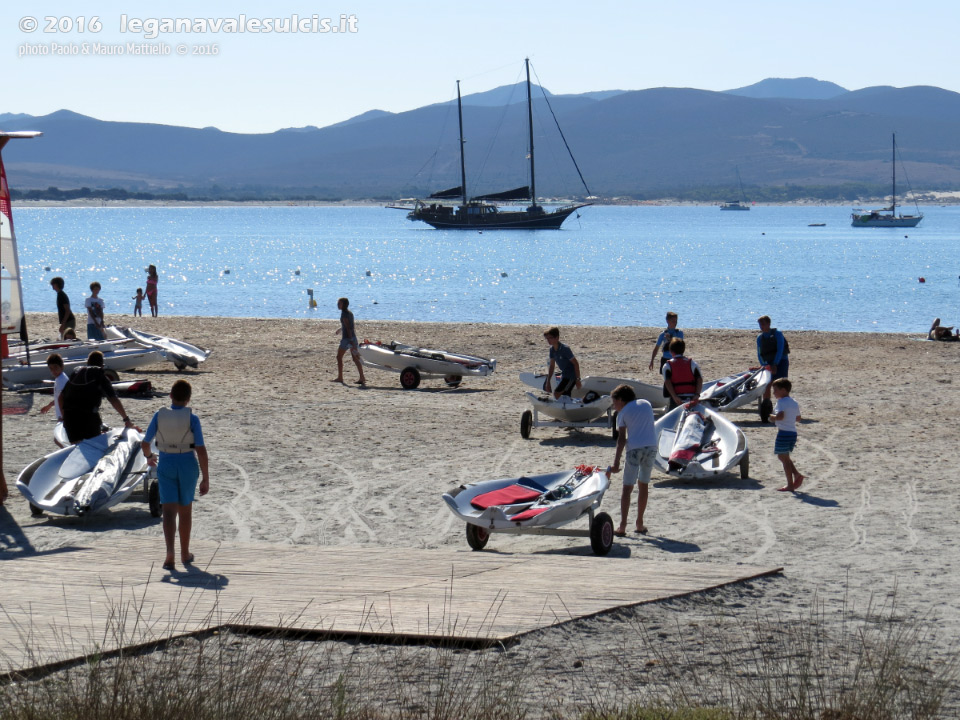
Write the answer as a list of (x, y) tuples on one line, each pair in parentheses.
[(399, 56)]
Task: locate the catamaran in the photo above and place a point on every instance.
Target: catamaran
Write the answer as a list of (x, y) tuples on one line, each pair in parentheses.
[(481, 212), (887, 217)]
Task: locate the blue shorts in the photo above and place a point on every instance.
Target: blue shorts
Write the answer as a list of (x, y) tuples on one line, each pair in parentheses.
[(781, 369), (350, 344), (94, 333), (178, 475), (785, 442)]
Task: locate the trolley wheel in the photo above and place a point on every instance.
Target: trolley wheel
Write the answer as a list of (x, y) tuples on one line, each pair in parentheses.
[(36, 511), (766, 409), (409, 378), (153, 498), (111, 374), (180, 366), (477, 536), (613, 426), (745, 465), (526, 422), (601, 534), (452, 380)]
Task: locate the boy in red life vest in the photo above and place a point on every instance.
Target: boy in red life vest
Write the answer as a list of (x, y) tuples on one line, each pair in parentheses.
[(682, 380), (183, 457)]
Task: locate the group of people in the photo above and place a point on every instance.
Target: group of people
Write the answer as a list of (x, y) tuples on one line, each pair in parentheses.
[(95, 307), (682, 384)]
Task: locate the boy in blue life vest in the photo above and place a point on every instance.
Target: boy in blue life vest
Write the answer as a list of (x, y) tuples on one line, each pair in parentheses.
[(664, 339), (682, 380), (773, 352), (183, 458)]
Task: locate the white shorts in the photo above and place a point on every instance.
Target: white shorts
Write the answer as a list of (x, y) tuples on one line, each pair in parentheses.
[(638, 466)]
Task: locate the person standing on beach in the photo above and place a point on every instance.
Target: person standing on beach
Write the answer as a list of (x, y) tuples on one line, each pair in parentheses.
[(152, 279), (636, 434), (785, 416), (348, 341), (664, 339), (773, 352), (183, 459), (68, 320), (562, 358), (138, 305), (682, 380), (95, 317), (80, 400)]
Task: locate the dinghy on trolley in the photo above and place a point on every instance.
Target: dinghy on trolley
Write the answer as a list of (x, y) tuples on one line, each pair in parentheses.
[(416, 363), (735, 391), (90, 477), (592, 411), (600, 385), (695, 441), (538, 505)]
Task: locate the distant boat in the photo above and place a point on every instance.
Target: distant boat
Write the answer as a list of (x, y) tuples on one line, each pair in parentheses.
[(887, 217), (817, 225), (480, 212), (737, 204)]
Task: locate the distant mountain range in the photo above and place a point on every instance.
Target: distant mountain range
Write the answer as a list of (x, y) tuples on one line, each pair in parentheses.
[(779, 132)]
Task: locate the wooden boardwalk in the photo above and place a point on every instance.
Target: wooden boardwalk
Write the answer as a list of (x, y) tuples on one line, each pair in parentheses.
[(65, 604)]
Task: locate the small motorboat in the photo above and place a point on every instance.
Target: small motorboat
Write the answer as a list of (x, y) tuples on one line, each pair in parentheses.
[(592, 411), (91, 476), (538, 505), (181, 354), (600, 386), (695, 441), (737, 390), (416, 363)]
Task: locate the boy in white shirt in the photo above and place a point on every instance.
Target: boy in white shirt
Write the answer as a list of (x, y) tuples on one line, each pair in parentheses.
[(786, 413), (635, 434)]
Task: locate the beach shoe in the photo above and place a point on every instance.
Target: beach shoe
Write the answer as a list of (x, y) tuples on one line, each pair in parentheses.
[(188, 561), (619, 533)]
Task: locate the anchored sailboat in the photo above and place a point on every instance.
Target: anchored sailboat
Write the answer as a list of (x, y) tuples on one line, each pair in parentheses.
[(887, 217), (480, 212), (737, 204)]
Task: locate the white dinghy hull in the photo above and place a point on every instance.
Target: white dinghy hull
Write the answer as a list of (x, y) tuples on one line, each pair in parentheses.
[(721, 447), (601, 386), (414, 363), (735, 391)]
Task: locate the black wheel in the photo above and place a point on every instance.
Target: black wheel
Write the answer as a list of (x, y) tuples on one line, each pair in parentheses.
[(477, 536), (409, 378), (590, 397), (766, 409), (613, 426), (601, 534), (180, 366), (36, 511), (526, 423), (745, 465), (153, 497), (452, 380), (111, 375)]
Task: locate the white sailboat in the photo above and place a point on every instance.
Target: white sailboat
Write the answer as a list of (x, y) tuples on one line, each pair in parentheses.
[(887, 217), (11, 306)]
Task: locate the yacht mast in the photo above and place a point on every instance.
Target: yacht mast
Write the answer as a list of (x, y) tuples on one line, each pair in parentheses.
[(893, 202), (463, 166), (533, 177)]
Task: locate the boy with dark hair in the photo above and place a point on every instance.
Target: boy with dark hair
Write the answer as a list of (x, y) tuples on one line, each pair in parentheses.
[(95, 319), (80, 400), (785, 416), (636, 434), (68, 320), (562, 358), (55, 363), (773, 352), (682, 380), (348, 341), (665, 338), (183, 457)]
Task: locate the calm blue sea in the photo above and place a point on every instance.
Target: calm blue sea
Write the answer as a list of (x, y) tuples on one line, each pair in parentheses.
[(612, 266)]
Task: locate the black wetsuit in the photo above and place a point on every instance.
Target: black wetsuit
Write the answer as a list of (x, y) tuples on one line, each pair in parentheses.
[(82, 394)]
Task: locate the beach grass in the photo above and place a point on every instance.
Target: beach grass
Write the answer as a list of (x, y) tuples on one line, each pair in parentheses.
[(871, 666)]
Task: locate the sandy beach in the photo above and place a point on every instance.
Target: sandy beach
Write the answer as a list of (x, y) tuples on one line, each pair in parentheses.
[(296, 458)]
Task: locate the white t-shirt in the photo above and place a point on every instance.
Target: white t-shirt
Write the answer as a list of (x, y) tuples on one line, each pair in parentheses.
[(637, 418), (92, 319), (790, 410), (59, 383)]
